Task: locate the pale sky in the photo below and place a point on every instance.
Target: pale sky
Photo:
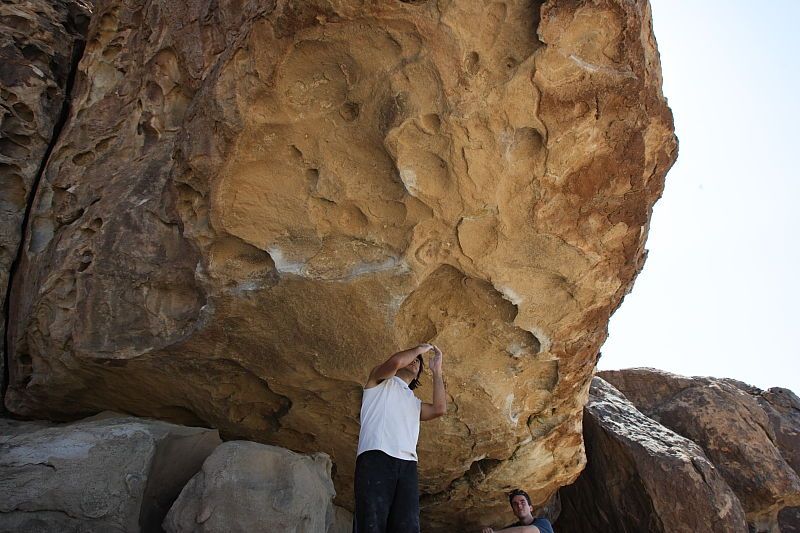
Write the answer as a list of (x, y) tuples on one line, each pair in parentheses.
[(720, 290)]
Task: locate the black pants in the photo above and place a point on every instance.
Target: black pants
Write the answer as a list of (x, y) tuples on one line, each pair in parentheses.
[(387, 494)]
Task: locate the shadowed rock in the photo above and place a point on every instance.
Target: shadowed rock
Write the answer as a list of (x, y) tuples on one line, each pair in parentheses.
[(789, 520), (40, 45), (641, 476), (750, 435), (113, 473)]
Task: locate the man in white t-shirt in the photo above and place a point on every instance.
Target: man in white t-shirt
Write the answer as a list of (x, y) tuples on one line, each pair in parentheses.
[(386, 484)]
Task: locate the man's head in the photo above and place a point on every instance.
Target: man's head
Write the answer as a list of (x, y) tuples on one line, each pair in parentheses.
[(520, 503), (413, 370)]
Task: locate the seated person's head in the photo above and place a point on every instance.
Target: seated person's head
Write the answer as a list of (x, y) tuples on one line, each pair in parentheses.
[(520, 503)]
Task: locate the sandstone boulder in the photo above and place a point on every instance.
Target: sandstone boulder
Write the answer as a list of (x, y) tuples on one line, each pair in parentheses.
[(113, 473), (252, 203), (245, 486), (40, 44), (728, 420), (783, 409), (342, 520), (641, 476)]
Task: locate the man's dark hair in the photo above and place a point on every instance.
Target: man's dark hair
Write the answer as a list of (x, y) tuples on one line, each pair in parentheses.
[(518, 492), (415, 382)]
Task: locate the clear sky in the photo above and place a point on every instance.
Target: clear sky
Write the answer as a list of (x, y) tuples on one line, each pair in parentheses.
[(720, 291)]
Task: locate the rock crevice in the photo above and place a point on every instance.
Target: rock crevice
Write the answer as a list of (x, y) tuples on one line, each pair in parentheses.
[(49, 40)]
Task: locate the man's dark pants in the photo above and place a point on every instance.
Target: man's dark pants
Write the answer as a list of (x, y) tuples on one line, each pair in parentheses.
[(387, 494)]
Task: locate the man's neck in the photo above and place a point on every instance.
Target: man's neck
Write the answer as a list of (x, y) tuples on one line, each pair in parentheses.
[(526, 520), (407, 377)]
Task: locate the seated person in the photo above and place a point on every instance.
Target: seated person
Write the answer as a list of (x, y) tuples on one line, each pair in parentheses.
[(522, 509)]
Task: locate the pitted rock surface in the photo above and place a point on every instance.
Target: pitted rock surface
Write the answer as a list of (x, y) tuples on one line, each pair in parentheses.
[(750, 435), (642, 476), (253, 203), (40, 44)]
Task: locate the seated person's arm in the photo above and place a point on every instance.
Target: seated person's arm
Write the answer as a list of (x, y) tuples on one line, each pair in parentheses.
[(514, 529)]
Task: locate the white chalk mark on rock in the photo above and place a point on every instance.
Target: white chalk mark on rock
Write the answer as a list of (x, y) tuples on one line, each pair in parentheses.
[(283, 265), (409, 178)]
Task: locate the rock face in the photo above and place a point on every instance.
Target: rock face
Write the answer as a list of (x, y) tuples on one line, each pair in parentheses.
[(789, 520), (246, 486), (750, 435), (110, 474), (342, 520), (253, 203), (641, 476), (783, 409), (40, 44)]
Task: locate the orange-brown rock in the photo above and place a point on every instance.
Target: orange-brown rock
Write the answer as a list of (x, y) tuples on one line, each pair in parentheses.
[(642, 476), (254, 202), (40, 44), (750, 435)]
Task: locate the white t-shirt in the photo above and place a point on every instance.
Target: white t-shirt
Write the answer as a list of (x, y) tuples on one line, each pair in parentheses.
[(390, 420)]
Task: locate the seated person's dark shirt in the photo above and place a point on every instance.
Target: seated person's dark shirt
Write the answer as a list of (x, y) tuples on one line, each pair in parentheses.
[(542, 523)]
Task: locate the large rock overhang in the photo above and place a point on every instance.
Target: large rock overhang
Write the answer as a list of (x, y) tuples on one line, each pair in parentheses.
[(252, 204)]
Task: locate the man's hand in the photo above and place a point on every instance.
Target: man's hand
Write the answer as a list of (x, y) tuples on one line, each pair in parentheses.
[(429, 411), (436, 360), (487, 530)]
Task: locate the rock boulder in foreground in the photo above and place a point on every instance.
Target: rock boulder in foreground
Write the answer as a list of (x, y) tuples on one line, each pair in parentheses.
[(113, 473), (245, 486), (252, 203)]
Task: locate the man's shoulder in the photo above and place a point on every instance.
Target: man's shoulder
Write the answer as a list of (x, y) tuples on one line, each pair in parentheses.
[(394, 384), (380, 383), (543, 524)]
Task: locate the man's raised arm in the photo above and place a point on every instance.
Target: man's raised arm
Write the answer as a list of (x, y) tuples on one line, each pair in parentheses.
[(390, 367), (429, 411)]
